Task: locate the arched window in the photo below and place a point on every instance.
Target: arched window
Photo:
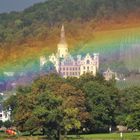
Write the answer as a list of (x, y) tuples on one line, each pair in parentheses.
[(88, 62)]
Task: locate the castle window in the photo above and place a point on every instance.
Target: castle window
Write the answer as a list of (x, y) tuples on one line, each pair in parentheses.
[(88, 62), (63, 68), (63, 73), (87, 68), (84, 67), (84, 72), (0, 115)]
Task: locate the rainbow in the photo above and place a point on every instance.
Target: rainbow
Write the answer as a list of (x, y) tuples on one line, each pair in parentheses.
[(123, 42)]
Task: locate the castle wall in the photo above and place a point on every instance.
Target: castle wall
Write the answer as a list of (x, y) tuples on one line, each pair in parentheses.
[(70, 71), (67, 66)]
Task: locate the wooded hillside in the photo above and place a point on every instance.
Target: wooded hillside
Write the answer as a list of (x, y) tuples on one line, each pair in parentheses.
[(16, 26)]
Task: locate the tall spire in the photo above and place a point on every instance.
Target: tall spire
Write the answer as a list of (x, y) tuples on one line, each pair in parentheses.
[(62, 35)]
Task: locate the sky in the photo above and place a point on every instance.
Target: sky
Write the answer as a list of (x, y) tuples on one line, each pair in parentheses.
[(16, 5)]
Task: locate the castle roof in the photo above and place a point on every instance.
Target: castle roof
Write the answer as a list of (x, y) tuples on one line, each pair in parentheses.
[(62, 35)]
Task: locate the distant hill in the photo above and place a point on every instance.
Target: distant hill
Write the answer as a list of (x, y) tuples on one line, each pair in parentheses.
[(17, 26)]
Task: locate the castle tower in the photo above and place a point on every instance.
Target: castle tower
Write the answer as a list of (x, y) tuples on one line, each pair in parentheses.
[(62, 47)]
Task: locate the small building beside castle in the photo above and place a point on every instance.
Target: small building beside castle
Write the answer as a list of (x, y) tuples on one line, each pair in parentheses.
[(109, 74), (71, 66)]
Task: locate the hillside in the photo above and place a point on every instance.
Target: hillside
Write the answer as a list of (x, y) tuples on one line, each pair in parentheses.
[(107, 26), (18, 26)]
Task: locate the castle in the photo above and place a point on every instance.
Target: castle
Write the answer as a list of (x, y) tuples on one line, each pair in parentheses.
[(67, 65)]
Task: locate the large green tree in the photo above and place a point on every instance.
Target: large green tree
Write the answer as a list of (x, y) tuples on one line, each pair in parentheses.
[(133, 119), (49, 104), (102, 101), (128, 100)]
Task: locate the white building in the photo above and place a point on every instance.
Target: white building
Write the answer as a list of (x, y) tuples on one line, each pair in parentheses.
[(108, 75), (67, 65), (4, 115)]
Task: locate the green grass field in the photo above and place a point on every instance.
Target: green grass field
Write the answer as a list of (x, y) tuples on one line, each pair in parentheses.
[(113, 136)]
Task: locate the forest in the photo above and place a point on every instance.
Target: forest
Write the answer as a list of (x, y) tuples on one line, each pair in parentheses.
[(30, 23), (56, 106)]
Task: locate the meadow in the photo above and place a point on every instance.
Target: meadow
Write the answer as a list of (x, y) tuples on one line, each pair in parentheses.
[(112, 136)]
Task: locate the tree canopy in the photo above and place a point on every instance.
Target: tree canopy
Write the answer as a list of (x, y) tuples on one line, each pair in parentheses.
[(31, 22), (56, 106)]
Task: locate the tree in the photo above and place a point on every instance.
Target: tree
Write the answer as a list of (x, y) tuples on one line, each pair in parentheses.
[(73, 100), (101, 102), (48, 114), (133, 119), (19, 23), (49, 68), (75, 113), (11, 103), (50, 105), (1, 98), (7, 124), (1, 123), (128, 103), (51, 82)]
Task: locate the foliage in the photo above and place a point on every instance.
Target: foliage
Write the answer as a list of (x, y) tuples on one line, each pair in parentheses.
[(1, 123), (7, 124), (56, 105), (50, 105), (1, 98), (18, 26), (48, 68), (102, 101), (133, 119), (128, 107)]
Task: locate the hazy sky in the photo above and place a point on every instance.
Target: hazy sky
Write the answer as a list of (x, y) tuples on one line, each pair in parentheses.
[(16, 5)]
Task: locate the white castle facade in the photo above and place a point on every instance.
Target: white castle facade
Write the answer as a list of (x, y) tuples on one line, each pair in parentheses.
[(67, 65)]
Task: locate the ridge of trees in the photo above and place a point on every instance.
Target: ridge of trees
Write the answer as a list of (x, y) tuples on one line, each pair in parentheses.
[(31, 22)]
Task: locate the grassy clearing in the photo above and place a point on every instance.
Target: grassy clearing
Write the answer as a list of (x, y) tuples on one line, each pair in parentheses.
[(113, 136)]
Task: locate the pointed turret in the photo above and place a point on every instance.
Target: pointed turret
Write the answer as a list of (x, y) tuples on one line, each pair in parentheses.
[(62, 35), (62, 47)]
